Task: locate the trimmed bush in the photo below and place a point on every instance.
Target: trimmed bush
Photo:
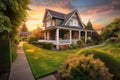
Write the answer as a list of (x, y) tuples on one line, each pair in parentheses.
[(80, 43), (46, 45), (5, 56), (80, 67), (73, 46), (31, 39), (90, 42), (110, 62)]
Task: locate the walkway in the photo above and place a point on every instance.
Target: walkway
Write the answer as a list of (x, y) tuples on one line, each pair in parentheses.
[(20, 68), (96, 45), (49, 77)]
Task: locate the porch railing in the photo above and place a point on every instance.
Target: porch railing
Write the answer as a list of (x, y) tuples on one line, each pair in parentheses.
[(61, 42)]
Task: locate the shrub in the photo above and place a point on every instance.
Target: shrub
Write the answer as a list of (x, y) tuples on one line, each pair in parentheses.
[(74, 46), (110, 62), (5, 56), (46, 45), (90, 42), (80, 67), (13, 52), (31, 39), (80, 43)]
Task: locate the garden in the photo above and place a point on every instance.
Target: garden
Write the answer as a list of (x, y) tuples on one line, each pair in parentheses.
[(97, 63)]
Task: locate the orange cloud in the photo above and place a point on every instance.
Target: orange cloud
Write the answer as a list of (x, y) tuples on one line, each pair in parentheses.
[(36, 14)]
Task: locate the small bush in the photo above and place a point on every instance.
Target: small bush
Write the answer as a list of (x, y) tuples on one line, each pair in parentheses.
[(110, 62), (46, 45), (90, 42), (74, 46), (31, 39), (80, 67), (80, 43)]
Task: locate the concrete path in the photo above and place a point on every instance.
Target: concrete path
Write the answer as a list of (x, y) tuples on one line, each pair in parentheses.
[(50, 77), (95, 46), (20, 68)]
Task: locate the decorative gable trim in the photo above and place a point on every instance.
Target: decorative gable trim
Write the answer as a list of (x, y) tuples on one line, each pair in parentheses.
[(75, 11), (69, 18), (47, 12)]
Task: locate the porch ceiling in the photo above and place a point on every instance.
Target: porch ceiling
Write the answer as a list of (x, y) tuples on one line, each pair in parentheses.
[(67, 28)]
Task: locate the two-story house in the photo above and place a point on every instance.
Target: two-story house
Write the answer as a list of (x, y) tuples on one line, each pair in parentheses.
[(63, 29)]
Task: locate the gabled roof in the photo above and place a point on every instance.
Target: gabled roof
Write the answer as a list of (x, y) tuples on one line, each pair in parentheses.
[(64, 17), (68, 16), (56, 14)]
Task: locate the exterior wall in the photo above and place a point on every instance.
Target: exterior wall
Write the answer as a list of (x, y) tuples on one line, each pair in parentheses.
[(74, 17), (58, 22), (67, 46), (48, 21)]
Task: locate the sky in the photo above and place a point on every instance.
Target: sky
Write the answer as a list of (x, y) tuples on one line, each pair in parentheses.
[(99, 12)]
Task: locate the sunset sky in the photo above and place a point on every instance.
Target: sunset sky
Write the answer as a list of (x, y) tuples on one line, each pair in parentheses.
[(100, 12)]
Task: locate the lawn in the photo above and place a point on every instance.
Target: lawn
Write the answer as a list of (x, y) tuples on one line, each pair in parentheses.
[(43, 61)]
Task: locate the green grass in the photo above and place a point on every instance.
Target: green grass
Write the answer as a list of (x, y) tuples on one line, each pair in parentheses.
[(43, 61)]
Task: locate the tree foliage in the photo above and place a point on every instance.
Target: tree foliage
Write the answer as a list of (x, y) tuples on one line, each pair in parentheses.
[(24, 28), (80, 67), (96, 37), (38, 33), (12, 15), (112, 29), (89, 25)]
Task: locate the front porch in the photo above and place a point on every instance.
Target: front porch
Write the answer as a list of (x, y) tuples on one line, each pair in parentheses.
[(65, 36)]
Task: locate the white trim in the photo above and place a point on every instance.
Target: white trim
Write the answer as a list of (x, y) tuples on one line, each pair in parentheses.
[(70, 36), (69, 18), (85, 36), (80, 19), (57, 39)]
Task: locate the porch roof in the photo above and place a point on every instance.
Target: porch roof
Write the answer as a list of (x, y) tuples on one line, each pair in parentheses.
[(67, 28)]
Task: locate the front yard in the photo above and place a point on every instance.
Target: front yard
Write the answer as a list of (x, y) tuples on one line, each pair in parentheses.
[(43, 61)]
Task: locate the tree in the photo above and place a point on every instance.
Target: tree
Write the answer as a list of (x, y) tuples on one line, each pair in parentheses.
[(89, 25), (38, 33), (96, 37), (24, 28), (112, 29), (24, 31), (13, 14)]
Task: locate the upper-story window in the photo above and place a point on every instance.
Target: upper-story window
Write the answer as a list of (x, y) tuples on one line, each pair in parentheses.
[(48, 24), (48, 21), (73, 22)]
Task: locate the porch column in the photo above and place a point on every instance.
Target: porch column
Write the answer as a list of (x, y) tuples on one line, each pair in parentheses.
[(79, 35), (44, 35), (85, 36), (48, 35), (70, 36), (57, 39)]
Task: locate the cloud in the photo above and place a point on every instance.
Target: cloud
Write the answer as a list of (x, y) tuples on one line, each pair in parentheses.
[(55, 3)]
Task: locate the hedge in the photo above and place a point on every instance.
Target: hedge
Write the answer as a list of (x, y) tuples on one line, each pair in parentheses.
[(5, 56), (110, 61), (46, 45)]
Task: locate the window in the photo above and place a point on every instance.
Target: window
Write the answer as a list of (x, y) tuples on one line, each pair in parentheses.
[(73, 22), (48, 23)]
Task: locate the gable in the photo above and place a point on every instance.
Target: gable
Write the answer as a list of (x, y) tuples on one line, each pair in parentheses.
[(74, 21)]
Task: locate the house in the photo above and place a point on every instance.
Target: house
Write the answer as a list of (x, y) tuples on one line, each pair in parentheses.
[(63, 29)]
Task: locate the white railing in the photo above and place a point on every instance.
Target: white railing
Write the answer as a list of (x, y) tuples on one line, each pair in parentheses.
[(61, 42), (52, 41), (64, 42)]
